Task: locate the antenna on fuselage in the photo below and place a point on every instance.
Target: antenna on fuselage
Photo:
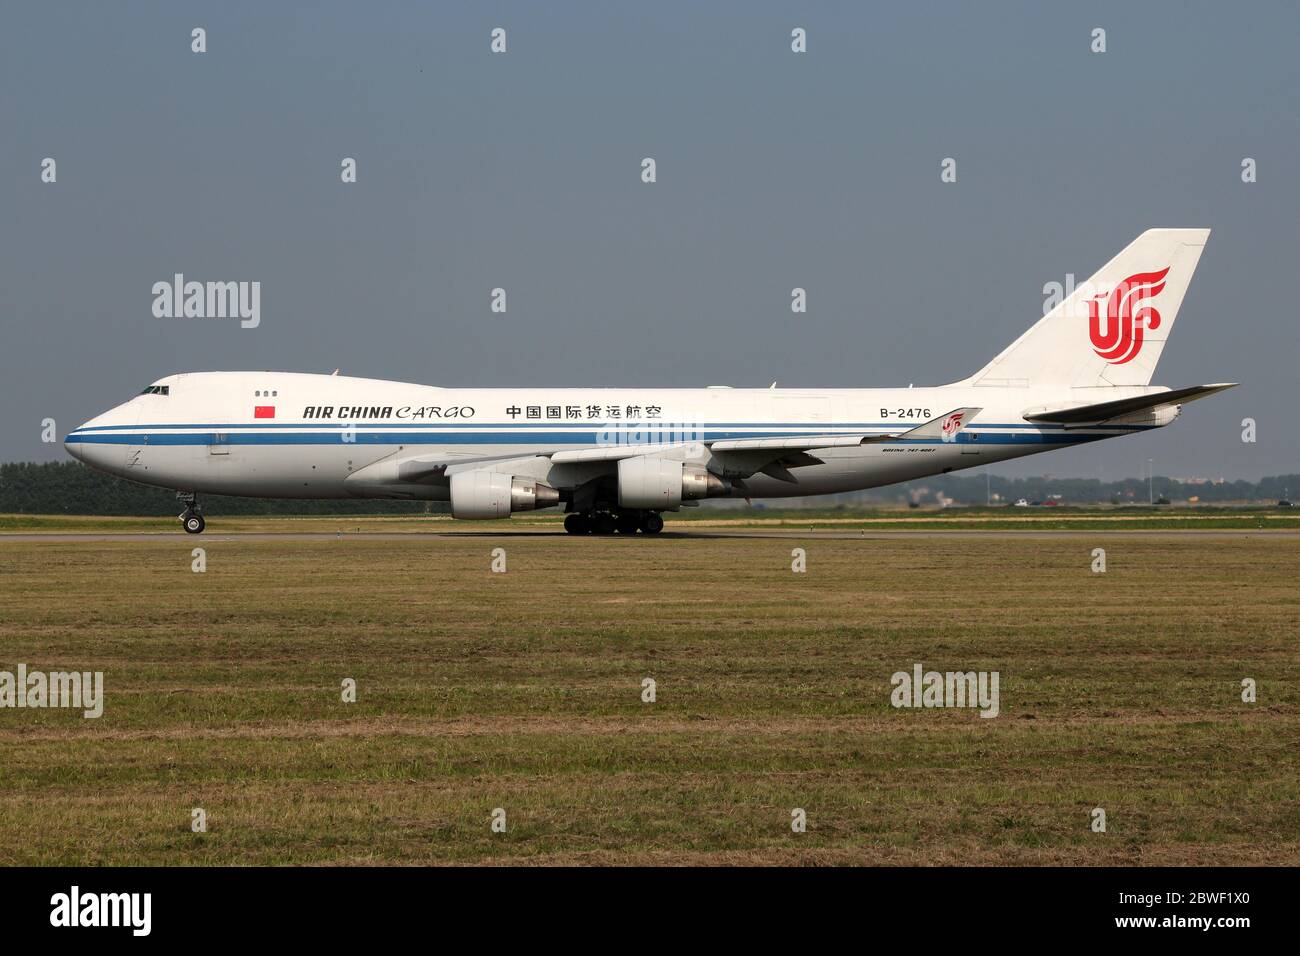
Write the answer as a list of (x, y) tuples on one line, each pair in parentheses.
[(335, 372)]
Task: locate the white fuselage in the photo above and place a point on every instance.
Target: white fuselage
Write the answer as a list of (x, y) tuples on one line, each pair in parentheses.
[(295, 435)]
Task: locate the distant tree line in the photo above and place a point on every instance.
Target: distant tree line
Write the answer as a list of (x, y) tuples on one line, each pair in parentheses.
[(72, 488), (977, 488), (973, 489)]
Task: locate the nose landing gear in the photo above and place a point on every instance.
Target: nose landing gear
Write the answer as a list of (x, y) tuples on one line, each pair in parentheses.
[(191, 520)]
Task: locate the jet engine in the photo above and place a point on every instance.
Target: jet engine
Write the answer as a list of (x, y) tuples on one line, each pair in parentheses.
[(492, 494), (660, 484)]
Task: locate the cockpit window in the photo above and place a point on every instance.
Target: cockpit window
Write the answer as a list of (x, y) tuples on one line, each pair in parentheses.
[(157, 390)]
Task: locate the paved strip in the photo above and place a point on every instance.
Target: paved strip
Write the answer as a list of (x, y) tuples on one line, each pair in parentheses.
[(702, 534)]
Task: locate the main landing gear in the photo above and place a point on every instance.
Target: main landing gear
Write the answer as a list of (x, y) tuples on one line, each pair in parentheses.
[(191, 520), (605, 522)]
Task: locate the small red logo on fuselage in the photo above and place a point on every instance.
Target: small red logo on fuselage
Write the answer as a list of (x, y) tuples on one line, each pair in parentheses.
[(263, 411), (1121, 339)]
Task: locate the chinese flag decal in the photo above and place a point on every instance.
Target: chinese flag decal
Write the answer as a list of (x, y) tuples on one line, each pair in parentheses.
[(263, 411)]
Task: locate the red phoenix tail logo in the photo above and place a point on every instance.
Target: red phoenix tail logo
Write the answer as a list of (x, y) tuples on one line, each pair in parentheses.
[(1121, 339), (951, 426)]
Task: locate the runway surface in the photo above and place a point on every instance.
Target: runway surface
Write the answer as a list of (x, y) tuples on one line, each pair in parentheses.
[(702, 534)]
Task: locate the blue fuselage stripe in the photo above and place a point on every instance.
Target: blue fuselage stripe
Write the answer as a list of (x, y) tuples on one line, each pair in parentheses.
[(812, 428), (376, 437)]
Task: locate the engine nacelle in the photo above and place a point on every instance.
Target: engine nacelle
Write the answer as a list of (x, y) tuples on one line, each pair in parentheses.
[(482, 494), (660, 484)]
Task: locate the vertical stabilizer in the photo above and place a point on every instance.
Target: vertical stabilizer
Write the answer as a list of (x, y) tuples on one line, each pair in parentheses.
[(1112, 328)]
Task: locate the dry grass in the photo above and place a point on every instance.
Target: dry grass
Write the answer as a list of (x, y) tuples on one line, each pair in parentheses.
[(522, 690)]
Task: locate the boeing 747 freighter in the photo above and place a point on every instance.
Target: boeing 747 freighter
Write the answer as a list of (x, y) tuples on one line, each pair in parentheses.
[(616, 459)]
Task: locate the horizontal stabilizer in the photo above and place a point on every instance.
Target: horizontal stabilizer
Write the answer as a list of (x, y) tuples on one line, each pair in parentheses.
[(1107, 411)]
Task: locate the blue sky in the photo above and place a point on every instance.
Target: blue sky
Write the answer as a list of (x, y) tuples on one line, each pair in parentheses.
[(775, 170)]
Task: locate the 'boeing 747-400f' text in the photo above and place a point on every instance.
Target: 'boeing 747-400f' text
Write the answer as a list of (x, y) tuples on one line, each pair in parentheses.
[(616, 458)]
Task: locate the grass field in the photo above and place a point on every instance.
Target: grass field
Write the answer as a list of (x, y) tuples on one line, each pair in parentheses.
[(522, 691)]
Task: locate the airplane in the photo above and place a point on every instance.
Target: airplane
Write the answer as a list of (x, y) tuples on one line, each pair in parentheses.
[(617, 459)]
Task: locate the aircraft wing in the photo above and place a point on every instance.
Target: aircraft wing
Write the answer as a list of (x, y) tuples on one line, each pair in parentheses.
[(1108, 411), (799, 443), (413, 469), (774, 446), (573, 456), (936, 428), (743, 457), (739, 457)]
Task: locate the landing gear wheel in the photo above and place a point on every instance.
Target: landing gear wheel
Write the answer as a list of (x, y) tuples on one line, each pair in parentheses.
[(191, 520), (577, 523), (628, 524), (652, 523), (604, 524)]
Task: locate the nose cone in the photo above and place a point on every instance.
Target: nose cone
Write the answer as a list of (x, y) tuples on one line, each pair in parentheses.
[(73, 447), (100, 443)]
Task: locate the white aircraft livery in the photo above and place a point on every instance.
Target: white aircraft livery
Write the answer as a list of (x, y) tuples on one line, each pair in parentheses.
[(616, 458)]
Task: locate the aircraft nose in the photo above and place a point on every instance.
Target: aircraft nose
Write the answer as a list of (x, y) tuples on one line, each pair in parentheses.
[(73, 447), (90, 445)]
